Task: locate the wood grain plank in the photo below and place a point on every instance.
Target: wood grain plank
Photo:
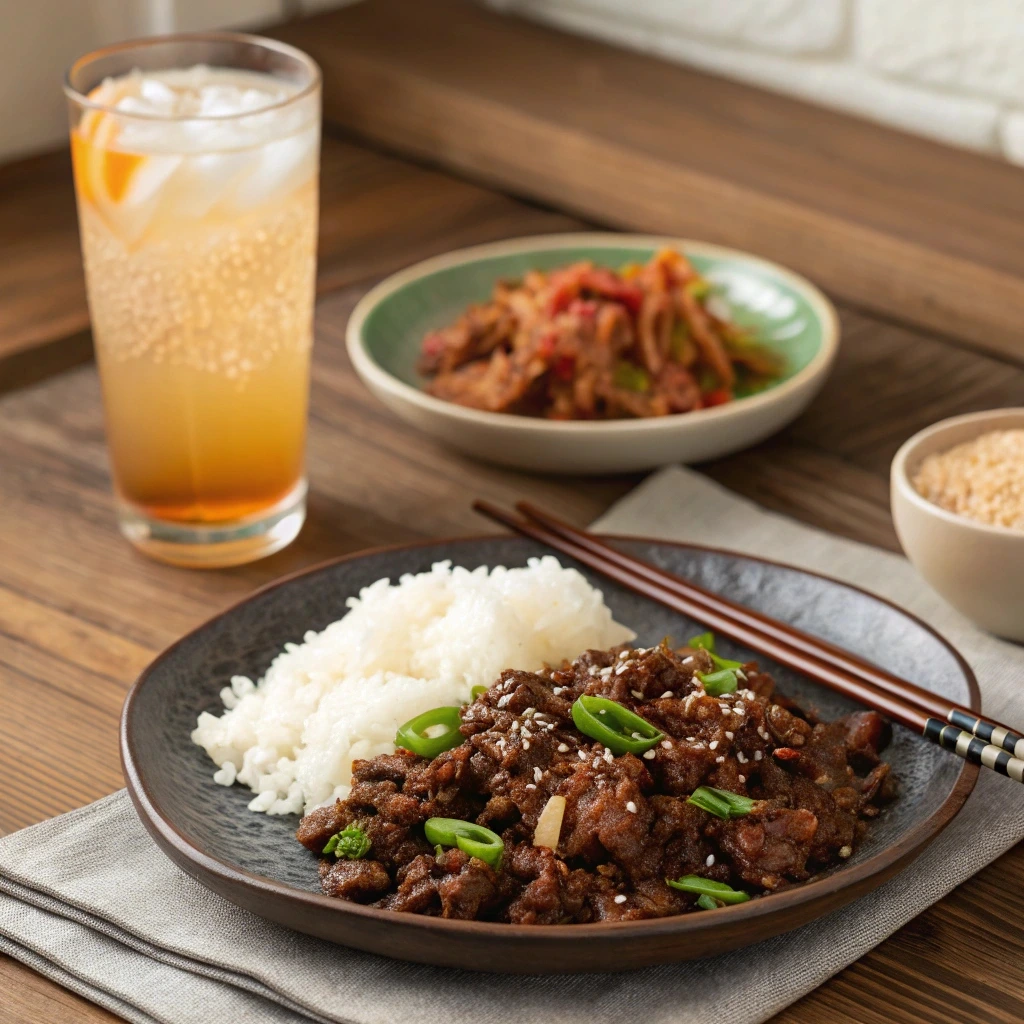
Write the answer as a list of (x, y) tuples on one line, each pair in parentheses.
[(633, 142)]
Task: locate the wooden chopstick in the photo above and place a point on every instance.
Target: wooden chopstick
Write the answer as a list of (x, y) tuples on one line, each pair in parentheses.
[(808, 655)]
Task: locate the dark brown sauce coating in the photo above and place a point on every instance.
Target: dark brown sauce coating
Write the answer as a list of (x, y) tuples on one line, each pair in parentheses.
[(627, 824)]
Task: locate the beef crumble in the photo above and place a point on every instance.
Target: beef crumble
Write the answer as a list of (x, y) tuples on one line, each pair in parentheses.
[(627, 824)]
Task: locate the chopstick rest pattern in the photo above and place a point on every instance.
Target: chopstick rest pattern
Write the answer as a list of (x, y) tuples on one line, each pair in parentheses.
[(974, 749), (997, 734)]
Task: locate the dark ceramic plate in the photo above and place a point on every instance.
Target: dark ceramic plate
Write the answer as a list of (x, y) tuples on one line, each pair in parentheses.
[(254, 861)]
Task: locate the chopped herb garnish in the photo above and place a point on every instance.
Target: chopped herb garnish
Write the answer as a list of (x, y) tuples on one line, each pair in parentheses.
[(477, 690), (631, 378), (350, 843), (699, 288), (720, 802), (706, 902), (717, 684), (705, 887)]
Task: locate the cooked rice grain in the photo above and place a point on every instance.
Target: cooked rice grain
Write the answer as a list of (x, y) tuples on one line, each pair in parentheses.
[(400, 650)]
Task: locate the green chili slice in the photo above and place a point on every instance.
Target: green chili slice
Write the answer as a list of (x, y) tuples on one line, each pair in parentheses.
[(717, 684), (477, 690), (720, 802), (705, 887), (412, 734), (473, 839), (706, 902), (350, 843), (706, 642), (614, 725)]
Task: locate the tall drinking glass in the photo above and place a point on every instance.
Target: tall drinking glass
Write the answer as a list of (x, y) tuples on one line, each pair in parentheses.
[(196, 164)]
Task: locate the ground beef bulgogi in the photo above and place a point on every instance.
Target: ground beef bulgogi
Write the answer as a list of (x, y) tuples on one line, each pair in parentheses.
[(589, 342), (627, 825)]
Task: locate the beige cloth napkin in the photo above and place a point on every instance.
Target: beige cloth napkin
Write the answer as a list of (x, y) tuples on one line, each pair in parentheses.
[(89, 901)]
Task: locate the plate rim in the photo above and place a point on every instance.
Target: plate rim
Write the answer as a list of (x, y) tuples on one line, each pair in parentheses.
[(373, 374), (195, 861)]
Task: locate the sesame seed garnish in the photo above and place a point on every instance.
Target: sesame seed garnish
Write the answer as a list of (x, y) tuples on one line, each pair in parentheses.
[(514, 727), (690, 739), (713, 745), (622, 668), (710, 861), (649, 755), (563, 747), (597, 762), (758, 755), (623, 654), (687, 659), (845, 851), (583, 754), (740, 706), (503, 701), (729, 735), (742, 778), (559, 689), (631, 807), (608, 755), (720, 759), (530, 785), (526, 744), (637, 694), (741, 757), (621, 898), (667, 744), (667, 693), (537, 773)]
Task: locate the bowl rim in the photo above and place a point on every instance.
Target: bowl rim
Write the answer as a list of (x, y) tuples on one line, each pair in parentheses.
[(373, 373), (197, 862), (900, 474)]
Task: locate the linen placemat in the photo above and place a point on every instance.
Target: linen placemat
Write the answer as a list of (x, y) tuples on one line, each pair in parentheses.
[(88, 900)]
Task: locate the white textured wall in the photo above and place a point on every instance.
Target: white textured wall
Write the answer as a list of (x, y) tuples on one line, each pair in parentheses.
[(952, 70), (40, 38)]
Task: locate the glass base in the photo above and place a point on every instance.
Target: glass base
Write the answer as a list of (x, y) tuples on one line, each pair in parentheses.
[(216, 546)]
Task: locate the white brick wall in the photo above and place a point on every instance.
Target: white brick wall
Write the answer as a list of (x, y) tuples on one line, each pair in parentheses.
[(952, 70)]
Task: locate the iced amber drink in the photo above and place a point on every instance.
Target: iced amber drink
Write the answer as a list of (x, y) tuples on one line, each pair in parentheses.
[(196, 165)]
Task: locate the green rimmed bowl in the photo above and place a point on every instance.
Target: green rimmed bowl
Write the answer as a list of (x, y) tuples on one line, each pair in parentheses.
[(786, 312)]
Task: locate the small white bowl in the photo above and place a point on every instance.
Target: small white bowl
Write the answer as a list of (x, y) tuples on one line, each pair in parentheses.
[(788, 313), (977, 568)]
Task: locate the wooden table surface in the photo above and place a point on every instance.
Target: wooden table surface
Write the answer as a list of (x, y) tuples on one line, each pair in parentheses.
[(81, 613)]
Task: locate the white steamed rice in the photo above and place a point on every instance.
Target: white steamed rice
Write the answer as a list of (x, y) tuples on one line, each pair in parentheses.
[(400, 650)]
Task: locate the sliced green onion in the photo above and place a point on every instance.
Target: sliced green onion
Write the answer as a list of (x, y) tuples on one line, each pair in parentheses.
[(413, 736), (621, 731), (720, 802), (477, 690), (705, 887), (350, 843), (706, 902), (706, 642), (717, 684), (473, 839)]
